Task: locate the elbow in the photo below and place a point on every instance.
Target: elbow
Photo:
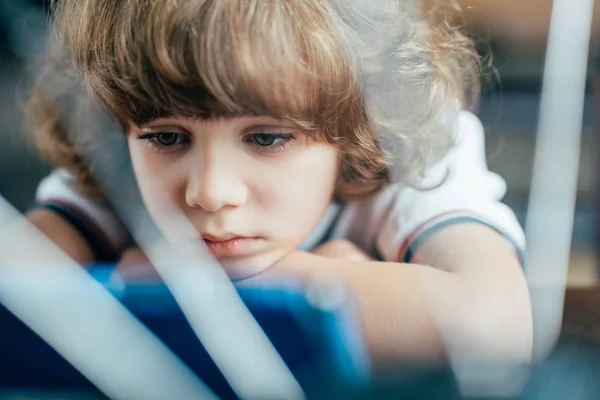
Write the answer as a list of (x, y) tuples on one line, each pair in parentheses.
[(494, 352), (497, 334)]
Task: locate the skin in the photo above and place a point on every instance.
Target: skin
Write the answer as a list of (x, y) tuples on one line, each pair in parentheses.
[(463, 296), (227, 183), (409, 311)]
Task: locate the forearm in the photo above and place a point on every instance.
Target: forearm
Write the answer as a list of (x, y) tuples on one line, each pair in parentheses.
[(413, 312), (392, 307)]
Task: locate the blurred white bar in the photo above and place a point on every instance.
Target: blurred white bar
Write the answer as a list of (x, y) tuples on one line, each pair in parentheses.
[(555, 171), (74, 314), (208, 299), (228, 331)]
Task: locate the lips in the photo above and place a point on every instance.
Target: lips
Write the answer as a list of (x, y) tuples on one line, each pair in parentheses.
[(220, 238), (229, 244)]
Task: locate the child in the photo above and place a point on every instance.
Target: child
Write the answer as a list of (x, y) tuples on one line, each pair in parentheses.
[(305, 137)]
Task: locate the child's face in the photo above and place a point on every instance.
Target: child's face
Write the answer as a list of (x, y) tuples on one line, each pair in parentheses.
[(253, 187)]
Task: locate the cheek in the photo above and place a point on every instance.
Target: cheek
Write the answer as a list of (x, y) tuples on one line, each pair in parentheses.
[(154, 170), (153, 176), (311, 178), (143, 169), (299, 191)]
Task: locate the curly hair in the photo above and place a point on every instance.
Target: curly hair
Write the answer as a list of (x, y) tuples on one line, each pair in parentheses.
[(382, 81)]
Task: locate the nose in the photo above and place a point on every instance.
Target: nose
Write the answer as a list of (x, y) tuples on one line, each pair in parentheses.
[(215, 184)]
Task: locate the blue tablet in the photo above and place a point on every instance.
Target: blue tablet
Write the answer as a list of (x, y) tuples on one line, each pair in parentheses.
[(319, 340)]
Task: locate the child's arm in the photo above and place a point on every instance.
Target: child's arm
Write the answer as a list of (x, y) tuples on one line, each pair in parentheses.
[(465, 250), (62, 233), (85, 227), (476, 294), (473, 302)]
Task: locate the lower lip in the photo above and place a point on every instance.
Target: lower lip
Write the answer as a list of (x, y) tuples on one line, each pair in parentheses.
[(232, 247)]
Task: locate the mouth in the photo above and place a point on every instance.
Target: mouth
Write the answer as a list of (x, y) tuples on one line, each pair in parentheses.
[(230, 245)]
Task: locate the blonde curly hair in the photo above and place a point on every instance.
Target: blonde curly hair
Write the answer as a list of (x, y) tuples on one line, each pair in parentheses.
[(382, 80)]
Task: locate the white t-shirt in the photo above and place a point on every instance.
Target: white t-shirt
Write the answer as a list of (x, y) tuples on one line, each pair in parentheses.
[(388, 226)]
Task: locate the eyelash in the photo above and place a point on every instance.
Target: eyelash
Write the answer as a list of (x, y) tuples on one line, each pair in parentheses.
[(151, 139), (285, 139)]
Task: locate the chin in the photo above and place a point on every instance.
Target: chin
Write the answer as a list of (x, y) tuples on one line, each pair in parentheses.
[(247, 267)]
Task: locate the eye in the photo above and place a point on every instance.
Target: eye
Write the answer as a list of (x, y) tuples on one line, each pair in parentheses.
[(265, 139), (270, 142), (167, 138), (164, 140)]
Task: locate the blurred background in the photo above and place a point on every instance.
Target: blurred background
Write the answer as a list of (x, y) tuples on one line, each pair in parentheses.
[(514, 32)]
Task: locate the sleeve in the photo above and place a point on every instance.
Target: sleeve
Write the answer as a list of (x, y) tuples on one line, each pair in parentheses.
[(92, 217), (469, 192)]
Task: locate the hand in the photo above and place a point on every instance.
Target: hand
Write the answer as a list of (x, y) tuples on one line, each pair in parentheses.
[(301, 265), (342, 249)]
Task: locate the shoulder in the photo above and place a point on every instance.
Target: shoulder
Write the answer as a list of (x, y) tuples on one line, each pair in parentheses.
[(92, 216), (459, 188)]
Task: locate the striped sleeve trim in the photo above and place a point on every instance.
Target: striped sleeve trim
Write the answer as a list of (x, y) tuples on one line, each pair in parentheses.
[(94, 236), (428, 228)]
